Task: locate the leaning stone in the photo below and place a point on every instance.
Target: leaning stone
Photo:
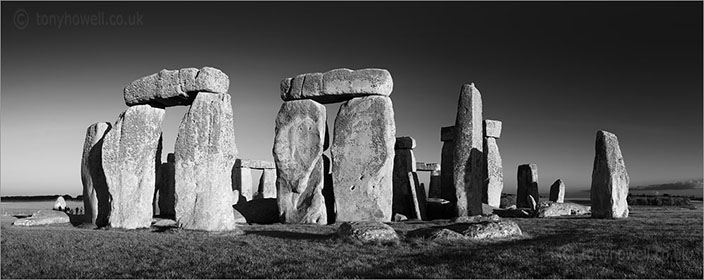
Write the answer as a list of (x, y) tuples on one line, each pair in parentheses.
[(298, 150), (527, 184), (610, 179), (175, 87), (555, 209), (363, 154), (477, 219), (337, 85), (267, 184), (557, 191), (59, 204), (513, 213), (367, 232), (95, 190), (255, 164), (468, 163), (404, 162), (492, 128), (405, 142), (492, 230), (43, 217), (205, 153), (494, 171), (130, 153)]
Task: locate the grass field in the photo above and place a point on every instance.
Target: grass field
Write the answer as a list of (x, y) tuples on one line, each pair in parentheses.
[(654, 242)]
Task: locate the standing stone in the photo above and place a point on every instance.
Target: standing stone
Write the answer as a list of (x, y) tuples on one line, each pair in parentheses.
[(435, 184), (494, 171), (60, 204), (609, 179), (130, 150), (205, 153), (167, 187), (557, 191), (328, 192), (418, 199), (298, 150), (468, 162), (492, 128), (447, 189), (96, 200), (404, 162), (242, 181), (362, 155), (527, 184), (267, 184)]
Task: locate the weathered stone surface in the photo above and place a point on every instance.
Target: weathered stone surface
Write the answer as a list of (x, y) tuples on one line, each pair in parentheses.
[(555, 209), (259, 211), (205, 153), (492, 128), (494, 172), (363, 154), (447, 183), (405, 142), (328, 191), (175, 87), (447, 134), (527, 184), (267, 184), (403, 200), (130, 153), (492, 230), (298, 150), (468, 163), (337, 85), (367, 232), (477, 219), (43, 217), (609, 179), (60, 203), (167, 187), (557, 191), (242, 181), (95, 190), (255, 164), (436, 234)]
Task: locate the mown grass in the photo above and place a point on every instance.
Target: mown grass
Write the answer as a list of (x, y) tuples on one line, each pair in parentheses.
[(655, 242)]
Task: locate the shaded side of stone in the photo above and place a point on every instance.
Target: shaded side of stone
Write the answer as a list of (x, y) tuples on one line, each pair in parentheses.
[(527, 185), (96, 200), (494, 173)]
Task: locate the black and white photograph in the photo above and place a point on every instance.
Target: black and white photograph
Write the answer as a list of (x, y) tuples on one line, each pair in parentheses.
[(352, 139)]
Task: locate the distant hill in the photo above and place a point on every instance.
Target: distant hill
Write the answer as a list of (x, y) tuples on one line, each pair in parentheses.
[(683, 185), (38, 198)]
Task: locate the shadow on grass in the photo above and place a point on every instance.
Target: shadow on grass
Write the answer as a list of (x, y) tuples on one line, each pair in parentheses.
[(292, 235)]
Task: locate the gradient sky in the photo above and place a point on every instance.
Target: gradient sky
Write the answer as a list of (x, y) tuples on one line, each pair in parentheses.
[(554, 73)]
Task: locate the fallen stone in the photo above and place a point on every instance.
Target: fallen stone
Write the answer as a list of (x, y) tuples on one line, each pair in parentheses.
[(205, 153), (557, 191), (130, 152), (492, 128), (95, 190), (337, 85), (267, 184), (165, 223), (405, 142), (468, 163), (513, 213), (43, 217), (555, 209), (492, 230), (59, 204), (477, 219), (436, 234), (494, 171), (609, 188), (298, 150), (255, 164), (363, 154), (527, 184), (367, 232), (175, 87), (259, 211), (417, 197)]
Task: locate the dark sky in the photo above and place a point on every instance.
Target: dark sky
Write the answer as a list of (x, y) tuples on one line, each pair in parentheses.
[(554, 73)]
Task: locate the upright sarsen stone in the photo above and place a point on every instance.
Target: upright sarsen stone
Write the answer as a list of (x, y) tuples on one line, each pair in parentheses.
[(96, 200), (468, 161), (267, 184), (557, 191), (527, 185), (298, 150), (362, 155), (404, 162), (447, 184), (609, 179), (494, 171), (205, 153), (130, 152)]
